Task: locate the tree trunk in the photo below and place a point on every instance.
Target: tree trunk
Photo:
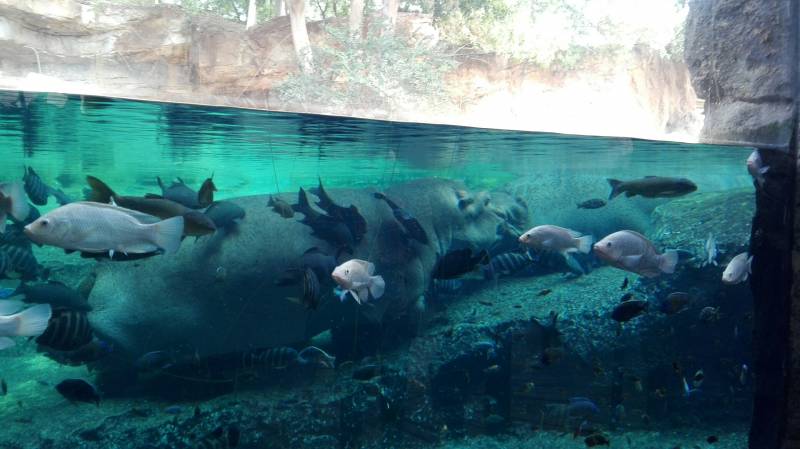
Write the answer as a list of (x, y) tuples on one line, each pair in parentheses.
[(278, 8), (302, 45), (390, 14), (252, 14), (356, 17)]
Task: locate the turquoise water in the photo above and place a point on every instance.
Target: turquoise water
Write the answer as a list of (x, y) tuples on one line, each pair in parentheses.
[(425, 364)]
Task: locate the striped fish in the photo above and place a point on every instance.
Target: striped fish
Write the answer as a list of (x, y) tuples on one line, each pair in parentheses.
[(67, 330), (311, 291), (268, 359), (15, 236), (36, 189), (445, 286), (507, 264), (22, 261)]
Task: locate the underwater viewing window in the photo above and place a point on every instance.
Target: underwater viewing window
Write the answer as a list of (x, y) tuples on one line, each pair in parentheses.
[(347, 224)]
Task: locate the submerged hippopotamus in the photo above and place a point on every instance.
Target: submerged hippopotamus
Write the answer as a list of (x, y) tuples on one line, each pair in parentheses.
[(220, 293)]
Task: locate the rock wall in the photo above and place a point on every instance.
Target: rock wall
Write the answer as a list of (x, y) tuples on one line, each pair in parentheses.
[(162, 53)]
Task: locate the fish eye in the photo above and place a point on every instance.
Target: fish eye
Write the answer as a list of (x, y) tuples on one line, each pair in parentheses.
[(608, 245), (347, 271), (45, 222)]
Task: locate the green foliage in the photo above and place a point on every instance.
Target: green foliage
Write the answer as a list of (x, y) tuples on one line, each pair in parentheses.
[(229, 9), (379, 71)]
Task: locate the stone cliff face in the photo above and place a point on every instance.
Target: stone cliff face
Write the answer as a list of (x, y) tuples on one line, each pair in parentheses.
[(162, 53)]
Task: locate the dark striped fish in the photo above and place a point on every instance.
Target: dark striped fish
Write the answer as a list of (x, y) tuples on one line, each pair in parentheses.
[(219, 440), (15, 236), (310, 290), (36, 189), (268, 359), (67, 330), (507, 264), (445, 286), (5, 266), (22, 261)]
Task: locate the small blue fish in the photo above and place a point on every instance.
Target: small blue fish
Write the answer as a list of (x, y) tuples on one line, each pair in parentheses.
[(690, 392), (6, 292)]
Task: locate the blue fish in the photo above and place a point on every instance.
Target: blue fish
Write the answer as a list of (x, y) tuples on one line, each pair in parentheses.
[(6, 292), (690, 392), (580, 406)]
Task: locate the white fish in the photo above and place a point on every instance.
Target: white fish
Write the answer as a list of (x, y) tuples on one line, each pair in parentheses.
[(30, 322), (631, 251), (738, 269), (356, 277), (13, 201), (711, 251), (100, 228), (557, 239), (756, 168)]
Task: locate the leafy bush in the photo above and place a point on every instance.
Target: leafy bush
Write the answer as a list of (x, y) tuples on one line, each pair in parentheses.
[(381, 70)]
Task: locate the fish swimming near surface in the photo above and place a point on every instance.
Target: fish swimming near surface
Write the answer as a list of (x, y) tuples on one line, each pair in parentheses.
[(218, 439), (412, 227), (352, 219), (78, 390), (555, 239), (756, 168), (225, 214), (652, 187), (594, 203), (30, 322), (195, 223), (281, 207), (67, 330), (179, 192), (13, 202), (54, 293), (631, 251), (357, 278), (507, 264), (456, 263), (628, 310), (104, 228), (711, 251), (675, 302), (738, 269)]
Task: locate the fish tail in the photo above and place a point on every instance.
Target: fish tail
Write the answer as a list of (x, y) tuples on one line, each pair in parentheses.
[(32, 322), (377, 286), (584, 243), (19, 205), (302, 206), (168, 234), (668, 261), (100, 191), (303, 360), (615, 187)]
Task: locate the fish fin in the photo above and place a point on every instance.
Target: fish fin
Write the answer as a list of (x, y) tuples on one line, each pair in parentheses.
[(584, 243), (32, 322), (377, 286), (573, 264), (668, 261), (369, 266), (379, 195), (99, 191), (19, 204), (111, 254), (10, 306), (180, 180), (6, 343), (354, 293), (271, 201), (763, 170), (749, 265), (615, 184), (167, 234)]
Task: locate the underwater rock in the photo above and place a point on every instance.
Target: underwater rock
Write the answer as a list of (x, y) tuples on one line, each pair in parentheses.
[(686, 223), (182, 305)]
